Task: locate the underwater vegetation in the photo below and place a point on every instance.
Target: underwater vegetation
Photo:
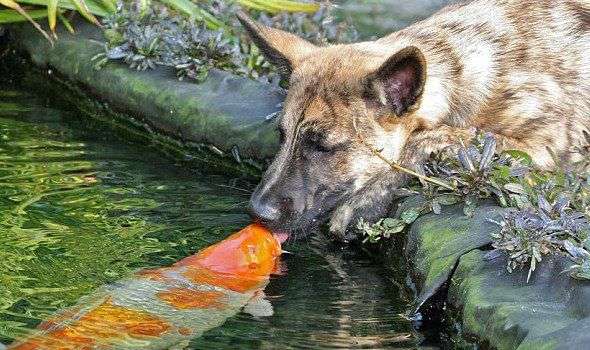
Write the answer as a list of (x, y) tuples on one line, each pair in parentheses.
[(550, 209)]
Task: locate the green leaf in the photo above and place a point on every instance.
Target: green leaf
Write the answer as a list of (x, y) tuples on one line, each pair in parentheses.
[(12, 16), (65, 22), (523, 157), (92, 6), (501, 173), (15, 6), (275, 6), (109, 5), (194, 11), (409, 216), (390, 222), (447, 199), (52, 14), (514, 188), (84, 11)]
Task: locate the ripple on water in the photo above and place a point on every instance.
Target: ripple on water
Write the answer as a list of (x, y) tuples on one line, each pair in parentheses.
[(79, 209)]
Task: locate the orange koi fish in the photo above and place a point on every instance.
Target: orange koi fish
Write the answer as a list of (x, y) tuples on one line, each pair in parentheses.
[(166, 307)]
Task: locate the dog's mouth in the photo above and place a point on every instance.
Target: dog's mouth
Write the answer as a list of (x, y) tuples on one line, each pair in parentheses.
[(310, 221)]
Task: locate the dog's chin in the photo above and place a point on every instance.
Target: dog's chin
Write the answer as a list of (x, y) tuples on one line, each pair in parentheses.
[(298, 228), (302, 225)]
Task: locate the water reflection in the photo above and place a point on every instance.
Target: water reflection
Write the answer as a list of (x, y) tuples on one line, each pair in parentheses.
[(80, 209)]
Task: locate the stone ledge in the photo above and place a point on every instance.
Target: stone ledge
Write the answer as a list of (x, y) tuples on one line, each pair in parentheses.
[(552, 311), (228, 112)]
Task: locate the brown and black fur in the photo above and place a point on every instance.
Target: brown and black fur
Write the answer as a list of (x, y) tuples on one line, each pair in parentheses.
[(517, 68)]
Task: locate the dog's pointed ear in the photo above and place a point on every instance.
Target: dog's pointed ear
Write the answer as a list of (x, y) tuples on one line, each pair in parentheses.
[(399, 82), (280, 48)]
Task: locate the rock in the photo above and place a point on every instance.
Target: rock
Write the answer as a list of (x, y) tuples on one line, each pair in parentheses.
[(225, 111), (436, 243), (550, 312), (378, 18)]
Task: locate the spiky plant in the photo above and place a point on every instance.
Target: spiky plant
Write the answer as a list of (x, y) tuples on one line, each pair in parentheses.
[(30, 10)]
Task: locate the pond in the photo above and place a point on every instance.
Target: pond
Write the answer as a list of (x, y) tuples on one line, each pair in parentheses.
[(80, 208)]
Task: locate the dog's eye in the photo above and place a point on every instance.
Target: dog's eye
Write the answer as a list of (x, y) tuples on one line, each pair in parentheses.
[(317, 142)]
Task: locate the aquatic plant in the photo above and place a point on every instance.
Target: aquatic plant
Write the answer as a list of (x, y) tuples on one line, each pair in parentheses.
[(476, 172), (30, 10), (528, 234), (145, 38), (386, 227), (153, 37), (550, 209)]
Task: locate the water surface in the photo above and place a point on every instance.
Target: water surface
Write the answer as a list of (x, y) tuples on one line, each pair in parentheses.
[(80, 208)]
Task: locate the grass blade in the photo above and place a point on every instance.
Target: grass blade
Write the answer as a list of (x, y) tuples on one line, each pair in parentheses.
[(66, 22), (84, 11), (52, 14), (15, 6), (275, 6), (92, 6), (13, 16), (109, 5), (194, 11)]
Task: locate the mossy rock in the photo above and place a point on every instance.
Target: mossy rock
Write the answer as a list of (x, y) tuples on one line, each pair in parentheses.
[(551, 311), (437, 241), (228, 112)]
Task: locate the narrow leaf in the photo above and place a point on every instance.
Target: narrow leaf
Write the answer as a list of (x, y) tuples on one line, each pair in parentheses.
[(13, 16), (52, 14), (15, 6), (65, 22), (84, 11)]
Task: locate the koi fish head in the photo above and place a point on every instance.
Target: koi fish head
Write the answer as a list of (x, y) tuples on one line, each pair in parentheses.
[(251, 252)]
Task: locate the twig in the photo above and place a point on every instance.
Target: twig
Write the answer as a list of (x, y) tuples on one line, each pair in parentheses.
[(394, 166)]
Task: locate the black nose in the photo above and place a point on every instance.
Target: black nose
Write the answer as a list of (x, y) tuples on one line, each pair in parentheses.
[(265, 210)]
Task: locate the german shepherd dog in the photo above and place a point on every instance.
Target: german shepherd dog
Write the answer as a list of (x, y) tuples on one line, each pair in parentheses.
[(519, 69)]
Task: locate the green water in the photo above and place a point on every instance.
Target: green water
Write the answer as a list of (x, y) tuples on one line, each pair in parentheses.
[(79, 208)]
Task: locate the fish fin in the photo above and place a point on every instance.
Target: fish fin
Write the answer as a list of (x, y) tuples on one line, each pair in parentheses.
[(259, 306)]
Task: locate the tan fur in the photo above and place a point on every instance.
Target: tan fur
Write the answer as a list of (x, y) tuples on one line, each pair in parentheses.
[(517, 68)]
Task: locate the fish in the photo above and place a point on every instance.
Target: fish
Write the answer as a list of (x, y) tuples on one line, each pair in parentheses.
[(164, 308)]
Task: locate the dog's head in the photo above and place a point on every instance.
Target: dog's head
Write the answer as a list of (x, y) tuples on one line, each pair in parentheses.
[(342, 101)]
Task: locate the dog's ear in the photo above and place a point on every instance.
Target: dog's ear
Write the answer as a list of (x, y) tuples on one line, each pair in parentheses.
[(280, 48), (399, 82)]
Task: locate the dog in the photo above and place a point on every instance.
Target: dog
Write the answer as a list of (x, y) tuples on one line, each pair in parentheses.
[(519, 69)]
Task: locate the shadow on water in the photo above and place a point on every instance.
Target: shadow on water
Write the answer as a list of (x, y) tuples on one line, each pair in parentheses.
[(80, 209)]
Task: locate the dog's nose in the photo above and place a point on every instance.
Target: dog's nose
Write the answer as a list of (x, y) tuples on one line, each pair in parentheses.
[(265, 211)]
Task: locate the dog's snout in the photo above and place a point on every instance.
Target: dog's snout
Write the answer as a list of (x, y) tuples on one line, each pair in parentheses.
[(265, 211), (270, 210)]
